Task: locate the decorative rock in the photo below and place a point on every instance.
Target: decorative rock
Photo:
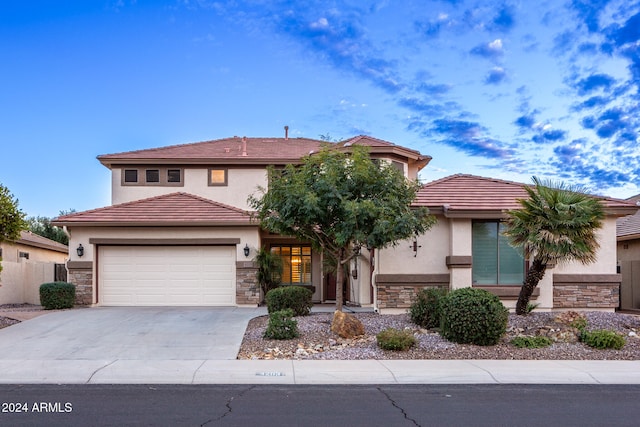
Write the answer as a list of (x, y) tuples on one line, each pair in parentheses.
[(346, 325)]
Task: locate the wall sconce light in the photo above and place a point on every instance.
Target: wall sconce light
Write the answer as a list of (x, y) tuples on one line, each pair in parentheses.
[(247, 250), (415, 247), (354, 273), (80, 250)]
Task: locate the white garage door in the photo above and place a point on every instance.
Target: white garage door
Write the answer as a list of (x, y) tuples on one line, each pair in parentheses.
[(166, 275)]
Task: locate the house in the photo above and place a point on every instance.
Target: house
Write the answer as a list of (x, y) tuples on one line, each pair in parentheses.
[(465, 248), (26, 264), (628, 250), (179, 232)]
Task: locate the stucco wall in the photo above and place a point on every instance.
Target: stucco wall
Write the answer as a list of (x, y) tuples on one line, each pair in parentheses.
[(21, 278), (452, 237), (83, 235), (241, 183)]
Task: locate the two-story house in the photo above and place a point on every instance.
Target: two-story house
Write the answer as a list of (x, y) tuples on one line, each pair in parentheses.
[(179, 232)]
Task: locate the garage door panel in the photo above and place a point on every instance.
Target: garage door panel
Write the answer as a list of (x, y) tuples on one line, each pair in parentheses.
[(166, 275)]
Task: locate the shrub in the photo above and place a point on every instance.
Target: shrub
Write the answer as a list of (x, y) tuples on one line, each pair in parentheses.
[(395, 339), (473, 316), (296, 298), (531, 342), (603, 339), (426, 311), (281, 326), (57, 295)]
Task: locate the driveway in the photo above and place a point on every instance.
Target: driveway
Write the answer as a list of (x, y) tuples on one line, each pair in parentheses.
[(129, 333)]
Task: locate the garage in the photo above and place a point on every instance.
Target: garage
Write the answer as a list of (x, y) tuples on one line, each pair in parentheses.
[(166, 275)]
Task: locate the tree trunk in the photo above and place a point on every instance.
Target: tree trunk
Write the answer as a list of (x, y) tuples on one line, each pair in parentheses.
[(339, 280), (535, 274)]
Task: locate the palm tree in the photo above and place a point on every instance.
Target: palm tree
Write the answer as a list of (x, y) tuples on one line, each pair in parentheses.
[(557, 223)]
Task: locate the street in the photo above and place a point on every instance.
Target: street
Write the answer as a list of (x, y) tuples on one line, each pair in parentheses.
[(367, 405)]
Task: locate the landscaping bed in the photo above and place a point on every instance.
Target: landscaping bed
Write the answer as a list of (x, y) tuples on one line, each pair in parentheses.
[(316, 341)]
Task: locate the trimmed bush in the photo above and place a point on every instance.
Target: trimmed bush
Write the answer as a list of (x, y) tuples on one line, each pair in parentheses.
[(395, 339), (531, 342), (603, 339), (426, 310), (281, 325), (57, 295), (473, 316), (296, 298)]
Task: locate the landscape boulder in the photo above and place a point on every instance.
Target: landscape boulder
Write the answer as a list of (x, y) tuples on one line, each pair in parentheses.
[(346, 325)]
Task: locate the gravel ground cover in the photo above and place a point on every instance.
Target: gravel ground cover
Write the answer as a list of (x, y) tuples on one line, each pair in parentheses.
[(316, 341)]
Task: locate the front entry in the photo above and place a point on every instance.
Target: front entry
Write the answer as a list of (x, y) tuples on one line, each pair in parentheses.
[(330, 287)]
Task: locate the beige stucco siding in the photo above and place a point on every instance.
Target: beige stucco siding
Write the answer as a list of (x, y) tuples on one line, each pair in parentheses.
[(21, 278), (240, 184), (453, 237), (82, 235)]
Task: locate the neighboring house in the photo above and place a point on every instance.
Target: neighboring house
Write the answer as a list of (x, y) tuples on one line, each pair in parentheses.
[(26, 264), (628, 233), (179, 233)]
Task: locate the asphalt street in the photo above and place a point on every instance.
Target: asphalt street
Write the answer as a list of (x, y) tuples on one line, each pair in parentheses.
[(309, 405)]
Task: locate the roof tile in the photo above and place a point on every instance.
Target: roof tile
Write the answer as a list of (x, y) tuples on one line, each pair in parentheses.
[(175, 208)]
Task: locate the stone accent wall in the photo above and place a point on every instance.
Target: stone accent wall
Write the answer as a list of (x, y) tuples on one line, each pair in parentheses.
[(80, 273), (586, 290), (399, 290), (247, 287)]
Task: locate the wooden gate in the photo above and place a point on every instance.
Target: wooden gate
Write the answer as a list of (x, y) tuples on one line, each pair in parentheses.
[(630, 287), (60, 273)]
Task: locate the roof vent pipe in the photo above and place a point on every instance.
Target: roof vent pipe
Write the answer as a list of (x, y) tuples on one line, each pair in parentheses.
[(244, 146), (286, 133)]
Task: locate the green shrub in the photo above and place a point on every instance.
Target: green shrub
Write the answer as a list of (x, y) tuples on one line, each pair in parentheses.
[(473, 316), (296, 298), (395, 339), (603, 339), (57, 295), (531, 342), (281, 326), (426, 311)]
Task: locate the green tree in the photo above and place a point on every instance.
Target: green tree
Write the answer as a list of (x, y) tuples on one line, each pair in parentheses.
[(12, 220), (341, 202), (41, 225), (557, 223), (269, 270)]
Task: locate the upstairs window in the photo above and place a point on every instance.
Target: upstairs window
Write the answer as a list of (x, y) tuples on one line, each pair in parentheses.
[(217, 177), (156, 176), (174, 175), (131, 175), (153, 175), (495, 262)]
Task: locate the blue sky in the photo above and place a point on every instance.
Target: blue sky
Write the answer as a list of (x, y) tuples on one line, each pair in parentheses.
[(506, 89)]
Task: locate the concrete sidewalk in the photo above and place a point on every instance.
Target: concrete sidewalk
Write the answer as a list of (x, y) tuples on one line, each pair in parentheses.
[(122, 371)]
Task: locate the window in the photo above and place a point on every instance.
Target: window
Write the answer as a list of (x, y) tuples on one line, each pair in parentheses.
[(157, 176), (217, 177), (495, 262), (153, 175), (173, 175), (296, 260), (130, 175)]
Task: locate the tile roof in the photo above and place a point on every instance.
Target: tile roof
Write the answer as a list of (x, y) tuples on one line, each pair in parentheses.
[(31, 239), (244, 150), (628, 228), (228, 150), (469, 195), (178, 209)]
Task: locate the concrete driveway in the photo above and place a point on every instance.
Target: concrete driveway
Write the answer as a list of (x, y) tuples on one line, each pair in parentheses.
[(129, 333)]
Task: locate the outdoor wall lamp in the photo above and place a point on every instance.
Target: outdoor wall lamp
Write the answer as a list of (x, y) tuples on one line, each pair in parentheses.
[(246, 250), (80, 250), (415, 247)]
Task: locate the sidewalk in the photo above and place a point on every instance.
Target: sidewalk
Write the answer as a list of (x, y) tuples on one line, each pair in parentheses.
[(319, 372)]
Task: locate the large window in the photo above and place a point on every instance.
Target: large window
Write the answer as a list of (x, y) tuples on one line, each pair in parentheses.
[(495, 262), (296, 260)]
